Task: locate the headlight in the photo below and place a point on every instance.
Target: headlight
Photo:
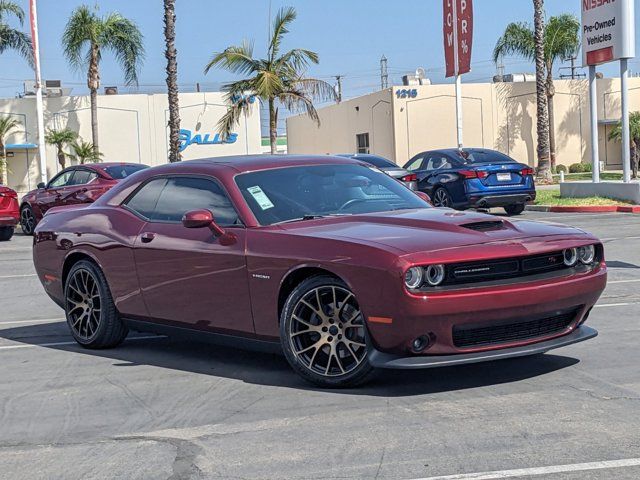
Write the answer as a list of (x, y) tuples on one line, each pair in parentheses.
[(587, 254), (435, 275), (413, 277), (570, 256)]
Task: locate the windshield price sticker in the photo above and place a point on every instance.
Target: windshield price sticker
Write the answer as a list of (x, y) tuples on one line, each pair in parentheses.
[(260, 197)]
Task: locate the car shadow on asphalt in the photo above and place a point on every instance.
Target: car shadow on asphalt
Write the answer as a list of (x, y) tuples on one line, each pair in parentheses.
[(272, 369)]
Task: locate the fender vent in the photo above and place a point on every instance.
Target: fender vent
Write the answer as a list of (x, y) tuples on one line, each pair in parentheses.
[(484, 226)]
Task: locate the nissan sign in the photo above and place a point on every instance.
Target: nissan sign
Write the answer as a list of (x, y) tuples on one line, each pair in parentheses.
[(608, 31)]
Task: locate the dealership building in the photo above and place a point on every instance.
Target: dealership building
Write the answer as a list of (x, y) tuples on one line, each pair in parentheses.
[(403, 121), (132, 128)]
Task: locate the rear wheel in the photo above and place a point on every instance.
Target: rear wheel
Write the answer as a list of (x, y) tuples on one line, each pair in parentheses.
[(90, 310), (6, 233), (441, 198), (27, 220), (515, 209), (323, 333)]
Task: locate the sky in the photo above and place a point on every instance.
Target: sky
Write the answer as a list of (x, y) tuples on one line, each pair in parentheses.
[(350, 37)]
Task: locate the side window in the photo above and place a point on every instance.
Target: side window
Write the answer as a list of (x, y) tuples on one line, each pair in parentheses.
[(362, 143), (415, 163), (182, 194), (61, 180), (438, 162), (82, 177), (144, 200)]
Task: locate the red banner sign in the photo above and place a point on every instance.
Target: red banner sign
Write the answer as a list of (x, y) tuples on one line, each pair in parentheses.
[(458, 35)]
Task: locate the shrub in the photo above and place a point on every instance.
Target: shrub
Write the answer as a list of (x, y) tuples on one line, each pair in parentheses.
[(587, 167), (561, 168), (576, 168)]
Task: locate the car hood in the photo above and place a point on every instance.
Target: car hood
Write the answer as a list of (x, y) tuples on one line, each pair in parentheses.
[(412, 231)]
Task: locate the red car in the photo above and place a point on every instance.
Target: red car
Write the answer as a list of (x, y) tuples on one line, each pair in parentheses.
[(73, 185), (9, 212), (335, 263)]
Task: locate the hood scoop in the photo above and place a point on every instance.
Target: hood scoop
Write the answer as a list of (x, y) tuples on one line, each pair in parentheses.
[(485, 226)]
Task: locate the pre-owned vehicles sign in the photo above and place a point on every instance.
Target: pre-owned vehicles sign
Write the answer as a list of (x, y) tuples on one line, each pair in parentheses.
[(607, 31)]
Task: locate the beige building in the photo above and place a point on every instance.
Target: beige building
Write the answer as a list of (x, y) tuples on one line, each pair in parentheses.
[(401, 122), (132, 128)]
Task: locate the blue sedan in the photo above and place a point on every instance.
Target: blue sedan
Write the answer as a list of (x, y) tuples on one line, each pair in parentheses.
[(474, 178)]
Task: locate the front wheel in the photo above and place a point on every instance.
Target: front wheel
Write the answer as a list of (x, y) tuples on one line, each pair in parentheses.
[(27, 220), (441, 198), (91, 313), (515, 209), (323, 333), (6, 233)]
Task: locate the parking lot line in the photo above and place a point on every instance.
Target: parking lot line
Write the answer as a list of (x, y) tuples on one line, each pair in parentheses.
[(527, 472), (626, 304), (2, 277), (35, 320), (633, 280), (59, 344)]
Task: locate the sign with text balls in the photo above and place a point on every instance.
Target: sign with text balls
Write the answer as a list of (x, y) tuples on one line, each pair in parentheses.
[(608, 32)]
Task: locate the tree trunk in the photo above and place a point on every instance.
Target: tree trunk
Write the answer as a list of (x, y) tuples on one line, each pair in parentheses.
[(634, 158), (543, 171), (551, 91), (93, 82), (273, 126), (62, 159), (3, 162), (172, 79)]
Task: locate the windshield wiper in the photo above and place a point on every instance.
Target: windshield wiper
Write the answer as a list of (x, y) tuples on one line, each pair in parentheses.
[(300, 219)]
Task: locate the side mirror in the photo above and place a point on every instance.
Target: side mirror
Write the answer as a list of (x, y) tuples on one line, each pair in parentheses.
[(201, 219), (41, 185), (423, 196)]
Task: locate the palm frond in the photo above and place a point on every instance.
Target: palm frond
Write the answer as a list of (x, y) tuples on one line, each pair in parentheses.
[(11, 39), (83, 152), (236, 59), (296, 101), (298, 59), (60, 137), (562, 38), (124, 39), (518, 39), (285, 16), (79, 33), (11, 7), (233, 116), (318, 90), (7, 125)]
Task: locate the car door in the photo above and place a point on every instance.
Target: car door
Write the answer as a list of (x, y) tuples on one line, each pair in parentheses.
[(438, 172), (78, 187), (51, 195), (189, 277)]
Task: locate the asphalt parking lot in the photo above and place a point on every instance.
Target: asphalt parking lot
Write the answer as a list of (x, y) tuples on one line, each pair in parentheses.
[(163, 408)]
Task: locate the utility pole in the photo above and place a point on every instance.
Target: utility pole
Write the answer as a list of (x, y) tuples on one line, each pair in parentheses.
[(339, 87), (39, 103), (574, 75), (384, 75)]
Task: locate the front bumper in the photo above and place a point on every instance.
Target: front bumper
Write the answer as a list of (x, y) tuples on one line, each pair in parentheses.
[(380, 359)]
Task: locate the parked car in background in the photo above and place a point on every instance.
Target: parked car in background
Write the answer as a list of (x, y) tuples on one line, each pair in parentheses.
[(324, 258), (388, 167), (76, 184), (474, 178), (9, 212)]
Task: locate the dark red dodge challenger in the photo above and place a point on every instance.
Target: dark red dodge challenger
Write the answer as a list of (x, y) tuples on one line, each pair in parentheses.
[(326, 258)]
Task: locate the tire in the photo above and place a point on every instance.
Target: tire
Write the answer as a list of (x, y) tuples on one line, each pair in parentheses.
[(27, 220), (326, 348), (441, 198), (515, 209), (6, 233), (92, 327)]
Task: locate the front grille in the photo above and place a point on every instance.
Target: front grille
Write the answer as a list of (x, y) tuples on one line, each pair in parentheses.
[(474, 335), (503, 268)]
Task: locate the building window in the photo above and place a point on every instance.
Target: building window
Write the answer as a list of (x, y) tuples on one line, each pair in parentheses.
[(362, 142)]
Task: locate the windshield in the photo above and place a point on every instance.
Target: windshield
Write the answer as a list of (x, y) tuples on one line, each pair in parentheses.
[(485, 156), (298, 193), (118, 172)]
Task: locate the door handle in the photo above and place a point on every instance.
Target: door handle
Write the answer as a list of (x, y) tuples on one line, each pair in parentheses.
[(147, 237)]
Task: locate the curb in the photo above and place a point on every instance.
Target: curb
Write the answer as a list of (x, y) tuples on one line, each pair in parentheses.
[(584, 209)]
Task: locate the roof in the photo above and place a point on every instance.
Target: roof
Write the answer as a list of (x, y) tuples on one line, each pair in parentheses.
[(245, 163)]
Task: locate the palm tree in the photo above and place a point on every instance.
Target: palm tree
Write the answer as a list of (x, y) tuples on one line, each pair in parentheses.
[(7, 126), (61, 138), (172, 79), (88, 35), (84, 152), (634, 139), (561, 40), (277, 78), (10, 38)]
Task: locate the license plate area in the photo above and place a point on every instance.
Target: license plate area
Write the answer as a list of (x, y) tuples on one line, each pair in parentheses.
[(503, 177)]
